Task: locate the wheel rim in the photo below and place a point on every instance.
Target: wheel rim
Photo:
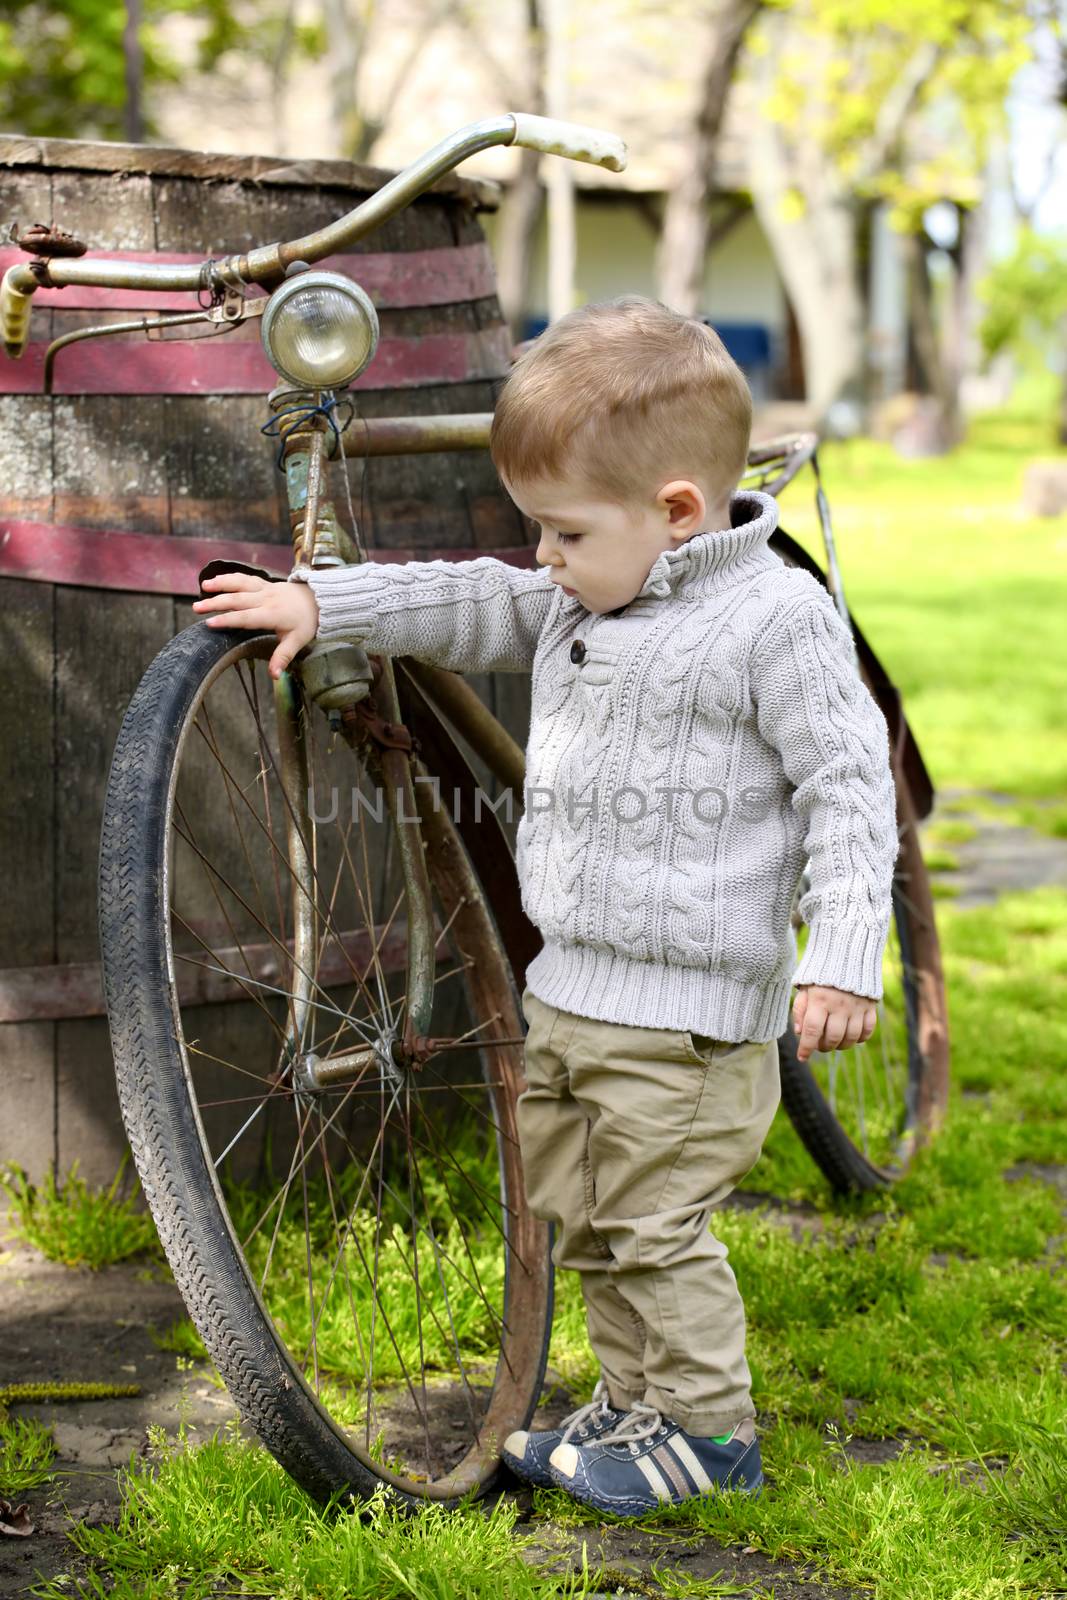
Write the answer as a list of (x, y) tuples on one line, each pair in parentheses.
[(379, 1221), (871, 1091), (882, 1099)]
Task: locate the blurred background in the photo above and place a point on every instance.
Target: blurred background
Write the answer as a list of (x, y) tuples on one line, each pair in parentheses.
[(867, 200)]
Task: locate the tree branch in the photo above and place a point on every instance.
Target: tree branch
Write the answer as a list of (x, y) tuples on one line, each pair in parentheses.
[(894, 111), (502, 75)]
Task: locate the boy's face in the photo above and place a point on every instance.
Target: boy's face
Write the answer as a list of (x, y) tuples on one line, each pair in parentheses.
[(600, 551)]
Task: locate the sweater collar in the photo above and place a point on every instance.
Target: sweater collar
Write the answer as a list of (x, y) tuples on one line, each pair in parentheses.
[(715, 555)]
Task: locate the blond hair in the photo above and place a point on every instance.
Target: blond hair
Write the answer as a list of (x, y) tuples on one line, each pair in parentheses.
[(626, 394)]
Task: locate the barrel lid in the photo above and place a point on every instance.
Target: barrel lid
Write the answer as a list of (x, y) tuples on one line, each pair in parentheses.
[(101, 155)]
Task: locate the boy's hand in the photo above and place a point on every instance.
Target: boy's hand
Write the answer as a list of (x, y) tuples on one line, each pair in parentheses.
[(831, 1019), (239, 600)]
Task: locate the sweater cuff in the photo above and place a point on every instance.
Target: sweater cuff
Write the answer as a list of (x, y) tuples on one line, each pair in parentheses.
[(844, 955), (345, 598)]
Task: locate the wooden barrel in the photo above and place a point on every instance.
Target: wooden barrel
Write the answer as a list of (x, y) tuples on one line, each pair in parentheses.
[(146, 462)]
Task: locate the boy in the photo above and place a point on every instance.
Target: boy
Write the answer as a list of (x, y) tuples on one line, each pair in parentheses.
[(674, 656)]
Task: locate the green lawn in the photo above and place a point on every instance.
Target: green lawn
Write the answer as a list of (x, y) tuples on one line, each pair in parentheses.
[(935, 1315), (962, 596)]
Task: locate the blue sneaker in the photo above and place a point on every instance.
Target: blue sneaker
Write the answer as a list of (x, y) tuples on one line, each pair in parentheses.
[(527, 1453), (649, 1461)]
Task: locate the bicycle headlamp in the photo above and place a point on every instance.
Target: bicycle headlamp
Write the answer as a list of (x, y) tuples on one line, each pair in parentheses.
[(320, 330)]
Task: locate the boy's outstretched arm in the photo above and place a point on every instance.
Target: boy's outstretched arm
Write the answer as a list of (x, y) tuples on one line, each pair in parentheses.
[(483, 615), (834, 744)]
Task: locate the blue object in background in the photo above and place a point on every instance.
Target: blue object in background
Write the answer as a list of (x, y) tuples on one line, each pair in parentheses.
[(749, 343)]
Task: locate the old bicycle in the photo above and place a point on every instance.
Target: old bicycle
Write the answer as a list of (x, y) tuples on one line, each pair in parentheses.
[(314, 1003)]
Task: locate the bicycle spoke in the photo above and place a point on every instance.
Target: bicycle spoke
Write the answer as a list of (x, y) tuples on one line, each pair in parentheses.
[(381, 1219)]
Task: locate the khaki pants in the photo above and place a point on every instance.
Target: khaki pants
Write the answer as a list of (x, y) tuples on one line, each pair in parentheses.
[(629, 1136)]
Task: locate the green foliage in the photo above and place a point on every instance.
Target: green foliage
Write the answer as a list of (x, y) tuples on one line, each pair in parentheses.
[(839, 78), (75, 1224), (1025, 296), (26, 1455), (181, 1337), (63, 68)]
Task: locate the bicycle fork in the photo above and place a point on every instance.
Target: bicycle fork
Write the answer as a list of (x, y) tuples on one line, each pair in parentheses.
[(360, 699)]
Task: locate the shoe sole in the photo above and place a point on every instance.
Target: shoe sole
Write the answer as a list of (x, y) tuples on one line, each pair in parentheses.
[(535, 1475), (641, 1508)]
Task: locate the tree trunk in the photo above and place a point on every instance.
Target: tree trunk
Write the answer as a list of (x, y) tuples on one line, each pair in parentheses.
[(810, 222), (683, 244), (937, 378), (520, 214), (524, 198), (131, 45), (346, 45)]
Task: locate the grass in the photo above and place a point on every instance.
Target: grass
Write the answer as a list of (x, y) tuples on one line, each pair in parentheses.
[(963, 597), (26, 1455), (932, 1317), (181, 1337), (226, 1517), (75, 1224), (939, 859)]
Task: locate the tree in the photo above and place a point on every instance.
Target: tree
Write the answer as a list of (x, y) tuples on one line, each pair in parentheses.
[(861, 100), (1025, 302), (354, 27), (687, 231), (519, 80), (63, 63)]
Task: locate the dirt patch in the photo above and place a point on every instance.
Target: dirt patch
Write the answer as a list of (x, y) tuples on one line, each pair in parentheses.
[(1001, 858), (628, 1556), (804, 1219), (63, 1325), (1052, 1173)]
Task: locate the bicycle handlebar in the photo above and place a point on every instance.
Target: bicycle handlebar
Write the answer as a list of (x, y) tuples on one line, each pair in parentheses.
[(15, 310), (267, 264), (571, 139)]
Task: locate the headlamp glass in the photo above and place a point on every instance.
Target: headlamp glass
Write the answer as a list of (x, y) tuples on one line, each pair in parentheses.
[(320, 330)]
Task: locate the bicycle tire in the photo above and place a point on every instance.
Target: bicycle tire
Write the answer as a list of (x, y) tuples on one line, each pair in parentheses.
[(166, 1124), (850, 1168)]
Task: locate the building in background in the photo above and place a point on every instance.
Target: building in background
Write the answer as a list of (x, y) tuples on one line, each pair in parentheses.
[(640, 89)]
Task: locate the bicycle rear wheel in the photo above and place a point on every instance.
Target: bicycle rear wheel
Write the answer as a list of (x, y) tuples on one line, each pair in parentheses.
[(863, 1113), (352, 1241)]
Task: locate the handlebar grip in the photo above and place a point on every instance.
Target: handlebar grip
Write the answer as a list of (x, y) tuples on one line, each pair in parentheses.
[(571, 139), (15, 309)]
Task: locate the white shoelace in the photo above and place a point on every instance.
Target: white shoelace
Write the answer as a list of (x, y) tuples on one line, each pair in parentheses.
[(600, 1402), (639, 1423)]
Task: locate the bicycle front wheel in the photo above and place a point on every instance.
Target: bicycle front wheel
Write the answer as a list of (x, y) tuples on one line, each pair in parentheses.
[(349, 1232)]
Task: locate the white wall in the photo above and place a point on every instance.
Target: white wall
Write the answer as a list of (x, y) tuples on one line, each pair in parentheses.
[(616, 255)]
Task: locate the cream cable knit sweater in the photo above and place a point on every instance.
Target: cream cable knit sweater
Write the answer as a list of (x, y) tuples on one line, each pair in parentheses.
[(687, 754)]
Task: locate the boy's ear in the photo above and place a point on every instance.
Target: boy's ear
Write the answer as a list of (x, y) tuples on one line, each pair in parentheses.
[(684, 504)]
